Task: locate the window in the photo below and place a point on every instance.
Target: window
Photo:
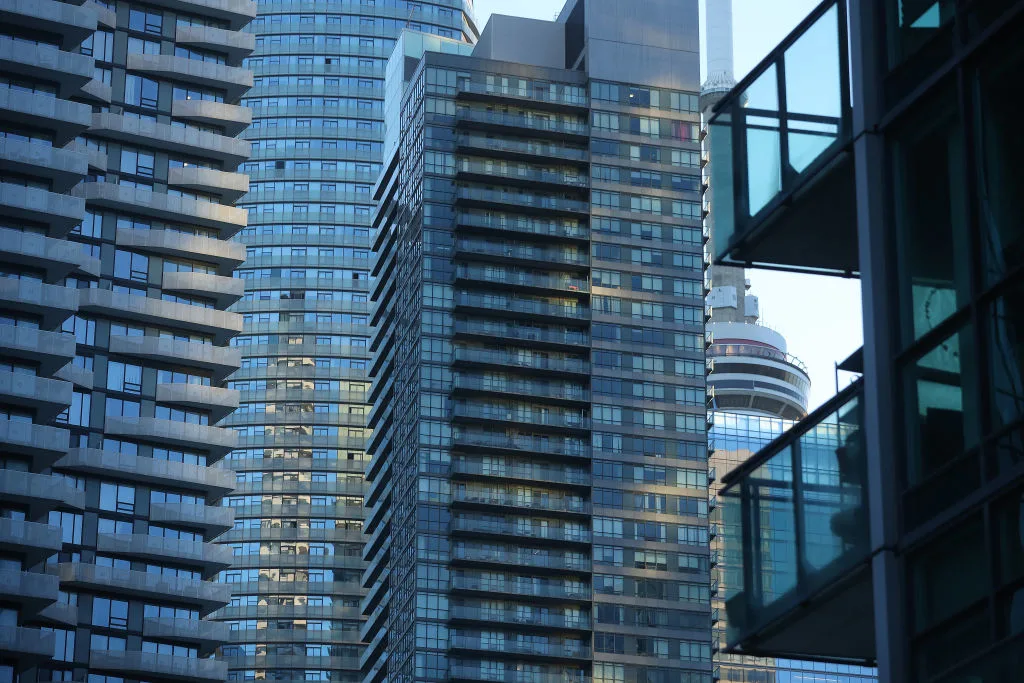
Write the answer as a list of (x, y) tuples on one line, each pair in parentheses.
[(141, 92), (117, 497), (131, 266), (110, 613), (147, 22), (70, 525), (137, 162), (124, 377)]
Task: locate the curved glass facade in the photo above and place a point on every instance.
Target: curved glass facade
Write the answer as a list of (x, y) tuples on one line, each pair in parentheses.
[(317, 137)]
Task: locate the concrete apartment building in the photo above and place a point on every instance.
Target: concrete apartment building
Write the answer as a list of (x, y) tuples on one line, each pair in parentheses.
[(118, 159), (537, 507)]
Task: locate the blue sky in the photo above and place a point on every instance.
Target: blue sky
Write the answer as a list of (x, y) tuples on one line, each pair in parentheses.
[(820, 316)]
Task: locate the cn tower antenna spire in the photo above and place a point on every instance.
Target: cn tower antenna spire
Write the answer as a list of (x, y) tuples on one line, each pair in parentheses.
[(718, 38)]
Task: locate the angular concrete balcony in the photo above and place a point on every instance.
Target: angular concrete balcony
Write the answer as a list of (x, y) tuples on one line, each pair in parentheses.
[(57, 258), (41, 492), (104, 17), (27, 646), (58, 212), (205, 635), (77, 376), (32, 592), (51, 350), (225, 255), (233, 80), (220, 360), (211, 482), (220, 324), (224, 290), (198, 143), (237, 13), (47, 397), (225, 219), (215, 441), (69, 71), (228, 186), (219, 402), (213, 521), (205, 595), (32, 540), (69, 23), (233, 118), (147, 665), (66, 120), (62, 167), (237, 45), (211, 557), (53, 304), (42, 443)]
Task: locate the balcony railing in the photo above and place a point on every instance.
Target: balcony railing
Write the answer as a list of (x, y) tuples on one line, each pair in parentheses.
[(498, 276), (519, 617), (520, 332), (522, 558), (523, 443), (525, 173), (538, 532), (558, 392), (555, 590), (528, 472), (552, 93), (494, 302), (550, 228), (534, 123), (523, 252), (523, 200), (534, 418), (569, 649), (795, 518), (490, 674), (523, 148), (780, 161)]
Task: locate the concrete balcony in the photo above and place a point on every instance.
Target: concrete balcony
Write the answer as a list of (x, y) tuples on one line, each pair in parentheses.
[(41, 443), (31, 592), (27, 646), (47, 397), (237, 13), (205, 635), (95, 159), (50, 350), (215, 441), (225, 219), (53, 304), (62, 167), (235, 81), (213, 521), (228, 186), (224, 290), (41, 492), (77, 376), (97, 92), (225, 255), (220, 360), (211, 482), (237, 45), (211, 557), (219, 402), (70, 23), (66, 120), (57, 258), (104, 17), (147, 665), (205, 595), (229, 151), (220, 324), (32, 540), (58, 212), (67, 70), (233, 118)]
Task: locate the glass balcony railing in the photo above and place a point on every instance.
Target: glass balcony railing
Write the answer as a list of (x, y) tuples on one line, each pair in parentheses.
[(522, 558), (495, 672), (525, 443), (531, 472), (526, 173), (492, 302), (574, 96), (522, 360), (525, 617), (523, 199), (501, 276), (560, 392), (535, 418), (540, 503), (539, 532), (537, 588), (785, 127), (523, 252), (530, 148), (550, 228), (567, 649), (534, 123), (795, 519), (522, 333)]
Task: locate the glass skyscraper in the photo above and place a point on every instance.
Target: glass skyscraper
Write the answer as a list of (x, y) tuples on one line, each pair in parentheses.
[(316, 134)]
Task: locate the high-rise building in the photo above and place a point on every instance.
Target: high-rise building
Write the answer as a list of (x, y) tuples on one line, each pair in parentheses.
[(117, 178), (537, 509), (316, 135), (879, 140)]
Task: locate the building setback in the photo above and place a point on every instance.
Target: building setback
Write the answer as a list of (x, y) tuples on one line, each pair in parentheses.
[(316, 135), (118, 162), (537, 508)]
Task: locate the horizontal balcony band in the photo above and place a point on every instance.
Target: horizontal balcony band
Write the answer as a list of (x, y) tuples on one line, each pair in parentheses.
[(227, 220), (225, 255), (205, 635), (521, 150), (62, 167), (511, 618), (541, 364), (30, 591), (211, 557), (31, 540), (222, 289), (26, 646), (289, 612), (65, 21), (235, 45), (237, 13), (222, 325), (514, 503), (504, 306), (206, 595), (520, 176), (42, 443), (105, 16), (521, 558), (333, 535), (508, 647), (49, 350), (58, 213), (521, 254), (214, 441), (65, 119), (148, 665), (510, 228), (78, 376), (56, 258), (564, 394), (525, 281), (534, 419), (520, 202), (199, 143), (535, 126), (218, 402), (233, 118), (212, 521), (41, 492), (463, 467), (468, 672), (219, 360), (233, 80), (46, 397), (538, 337), (501, 443), (472, 527), (52, 304), (228, 186), (331, 510), (68, 71), (539, 97)]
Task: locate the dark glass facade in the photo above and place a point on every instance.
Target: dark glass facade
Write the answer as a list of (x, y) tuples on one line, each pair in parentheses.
[(316, 135)]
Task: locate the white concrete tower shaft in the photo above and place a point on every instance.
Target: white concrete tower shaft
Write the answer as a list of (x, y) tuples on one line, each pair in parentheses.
[(718, 37)]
